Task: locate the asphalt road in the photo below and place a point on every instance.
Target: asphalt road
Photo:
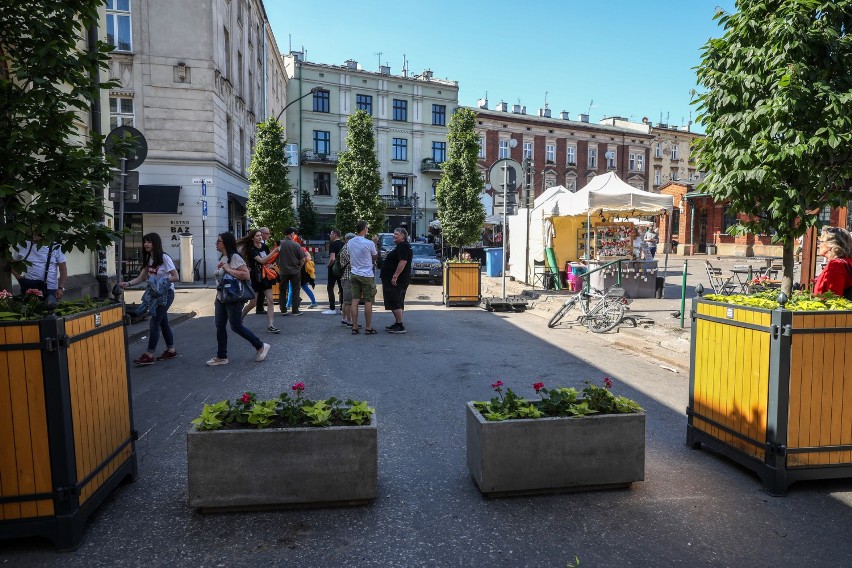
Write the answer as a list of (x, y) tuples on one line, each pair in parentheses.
[(694, 508)]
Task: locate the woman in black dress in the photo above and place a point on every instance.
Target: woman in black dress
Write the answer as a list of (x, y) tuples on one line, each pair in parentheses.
[(257, 253)]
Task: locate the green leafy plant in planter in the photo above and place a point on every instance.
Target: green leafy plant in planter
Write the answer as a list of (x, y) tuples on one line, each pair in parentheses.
[(284, 411), (32, 306), (559, 401), (798, 302)]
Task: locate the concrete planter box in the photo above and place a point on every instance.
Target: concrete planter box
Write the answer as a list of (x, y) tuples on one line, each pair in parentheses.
[(555, 454), (282, 467)]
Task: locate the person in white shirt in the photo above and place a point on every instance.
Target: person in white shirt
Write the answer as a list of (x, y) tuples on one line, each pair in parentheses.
[(362, 258), (48, 278), (651, 239)]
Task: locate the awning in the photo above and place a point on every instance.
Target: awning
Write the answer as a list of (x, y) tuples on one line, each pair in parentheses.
[(238, 199), (694, 194), (155, 199), (401, 175)]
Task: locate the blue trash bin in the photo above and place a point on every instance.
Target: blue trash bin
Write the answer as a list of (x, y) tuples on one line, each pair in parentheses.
[(494, 261)]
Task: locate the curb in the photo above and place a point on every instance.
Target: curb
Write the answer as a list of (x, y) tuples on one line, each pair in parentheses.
[(174, 319)]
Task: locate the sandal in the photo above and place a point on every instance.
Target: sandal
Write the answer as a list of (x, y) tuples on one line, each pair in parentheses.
[(355, 331), (370, 331)]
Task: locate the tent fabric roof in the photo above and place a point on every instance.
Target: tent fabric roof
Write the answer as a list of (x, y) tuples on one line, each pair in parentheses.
[(607, 193)]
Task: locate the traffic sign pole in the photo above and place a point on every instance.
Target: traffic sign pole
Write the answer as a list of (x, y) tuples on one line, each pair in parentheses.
[(121, 218)]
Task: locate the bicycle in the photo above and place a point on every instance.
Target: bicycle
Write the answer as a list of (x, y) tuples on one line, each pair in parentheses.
[(601, 317)]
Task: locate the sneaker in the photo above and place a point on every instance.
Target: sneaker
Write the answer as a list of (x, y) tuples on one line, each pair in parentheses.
[(344, 322), (391, 326), (312, 306), (273, 329), (144, 359), (261, 354), (397, 328), (167, 355), (297, 313), (216, 361), (263, 312), (329, 312)]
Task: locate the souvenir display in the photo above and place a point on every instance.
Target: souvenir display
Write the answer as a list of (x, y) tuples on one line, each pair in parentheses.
[(613, 241)]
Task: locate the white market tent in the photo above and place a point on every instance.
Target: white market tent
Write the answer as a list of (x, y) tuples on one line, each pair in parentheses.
[(558, 215)]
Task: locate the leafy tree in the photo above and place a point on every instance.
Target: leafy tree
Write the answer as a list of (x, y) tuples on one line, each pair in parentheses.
[(358, 180), (778, 114), (308, 218), (270, 196), (459, 207), (51, 176)]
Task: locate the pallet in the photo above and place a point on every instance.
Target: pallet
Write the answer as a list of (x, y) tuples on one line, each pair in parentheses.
[(509, 304)]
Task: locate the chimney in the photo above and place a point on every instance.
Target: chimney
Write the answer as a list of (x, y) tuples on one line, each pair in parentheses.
[(502, 106), (427, 74), (564, 115), (524, 109), (482, 103), (351, 64), (384, 69), (516, 109), (544, 112), (584, 117), (298, 55)]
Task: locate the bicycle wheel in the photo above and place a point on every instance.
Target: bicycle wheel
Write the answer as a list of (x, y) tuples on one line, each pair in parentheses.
[(606, 316), (560, 313)]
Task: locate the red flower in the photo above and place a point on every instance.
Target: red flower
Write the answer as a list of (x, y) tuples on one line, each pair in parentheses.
[(538, 386), (34, 292), (607, 383), (298, 387), (497, 385), (246, 398)]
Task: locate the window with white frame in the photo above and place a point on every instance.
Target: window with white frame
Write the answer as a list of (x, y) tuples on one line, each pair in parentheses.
[(593, 158), (120, 112), (528, 149), (481, 147), (292, 153), (118, 27), (503, 150), (636, 162), (550, 153), (610, 159), (571, 153), (658, 177), (658, 150), (674, 152), (640, 162)]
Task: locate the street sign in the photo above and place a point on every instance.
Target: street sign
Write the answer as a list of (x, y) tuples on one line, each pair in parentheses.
[(203, 189), (203, 209), (137, 149), (202, 181), (131, 187)]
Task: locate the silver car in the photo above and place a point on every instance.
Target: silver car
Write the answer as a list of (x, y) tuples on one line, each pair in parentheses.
[(425, 264)]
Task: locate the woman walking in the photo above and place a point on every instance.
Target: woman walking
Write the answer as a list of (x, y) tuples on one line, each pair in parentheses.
[(256, 252), (308, 280), (233, 264), (158, 270), (835, 244)]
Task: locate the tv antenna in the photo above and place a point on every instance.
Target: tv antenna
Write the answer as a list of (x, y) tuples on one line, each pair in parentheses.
[(379, 54), (545, 99), (591, 106)]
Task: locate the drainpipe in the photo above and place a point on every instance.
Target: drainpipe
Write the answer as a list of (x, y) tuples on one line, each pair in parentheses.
[(265, 107), (299, 189), (95, 125)]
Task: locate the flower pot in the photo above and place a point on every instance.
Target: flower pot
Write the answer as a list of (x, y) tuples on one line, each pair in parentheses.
[(555, 454), (462, 284), (770, 390), (66, 424), (282, 467)]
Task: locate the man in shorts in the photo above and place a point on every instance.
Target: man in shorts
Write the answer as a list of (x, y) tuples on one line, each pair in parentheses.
[(396, 276), (362, 256)]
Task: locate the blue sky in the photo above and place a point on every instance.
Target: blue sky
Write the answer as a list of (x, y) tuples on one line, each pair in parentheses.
[(632, 58)]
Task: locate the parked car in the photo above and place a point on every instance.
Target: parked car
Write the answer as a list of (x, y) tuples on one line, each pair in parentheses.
[(425, 263), (386, 245)]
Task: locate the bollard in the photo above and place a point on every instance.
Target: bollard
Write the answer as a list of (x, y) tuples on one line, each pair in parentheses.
[(683, 293)]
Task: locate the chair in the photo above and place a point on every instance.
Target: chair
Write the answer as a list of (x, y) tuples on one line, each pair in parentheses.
[(719, 283)]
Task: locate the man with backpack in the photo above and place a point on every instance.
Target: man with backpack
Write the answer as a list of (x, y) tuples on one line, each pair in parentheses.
[(334, 271), (47, 271)]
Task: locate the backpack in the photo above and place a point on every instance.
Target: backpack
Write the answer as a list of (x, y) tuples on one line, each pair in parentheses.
[(337, 268)]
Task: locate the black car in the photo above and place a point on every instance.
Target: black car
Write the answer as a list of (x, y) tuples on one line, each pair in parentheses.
[(425, 264), (386, 245)]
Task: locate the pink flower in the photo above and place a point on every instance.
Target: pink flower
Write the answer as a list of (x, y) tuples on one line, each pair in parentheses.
[(246, 398), (298, 387), (497, 385), (538, 386), (607, 383), (5, 294), (34, 292)]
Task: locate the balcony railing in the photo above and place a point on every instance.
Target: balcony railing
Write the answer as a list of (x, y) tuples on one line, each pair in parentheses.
[(430, 165), (309, 156), (392, 201)]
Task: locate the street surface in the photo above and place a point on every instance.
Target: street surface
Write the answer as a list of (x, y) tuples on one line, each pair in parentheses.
[(693, 509)]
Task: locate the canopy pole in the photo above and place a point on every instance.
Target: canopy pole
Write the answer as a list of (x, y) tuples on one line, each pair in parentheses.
[(588, 228), (668, 245), (505, 233)]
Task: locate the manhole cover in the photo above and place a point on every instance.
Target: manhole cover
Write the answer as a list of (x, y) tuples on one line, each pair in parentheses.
[(424, 298)]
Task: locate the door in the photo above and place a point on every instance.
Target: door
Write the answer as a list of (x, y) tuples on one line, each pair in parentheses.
[(702, 230)]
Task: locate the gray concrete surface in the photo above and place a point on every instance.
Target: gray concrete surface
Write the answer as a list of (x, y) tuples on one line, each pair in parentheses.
[(694, 508)]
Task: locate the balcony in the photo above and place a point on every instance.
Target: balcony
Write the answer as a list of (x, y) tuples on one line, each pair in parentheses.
[(393, 202), (311, 157), (430, 165)]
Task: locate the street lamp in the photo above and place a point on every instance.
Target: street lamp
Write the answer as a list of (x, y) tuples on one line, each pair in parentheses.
[(313, 91)]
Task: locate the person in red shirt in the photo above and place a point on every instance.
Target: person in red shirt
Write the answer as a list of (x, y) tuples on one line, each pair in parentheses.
[(835, 244)]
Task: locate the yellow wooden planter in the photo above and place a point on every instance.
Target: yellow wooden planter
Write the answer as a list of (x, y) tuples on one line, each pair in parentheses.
[(66, 425), (772, 389), (462, 283)]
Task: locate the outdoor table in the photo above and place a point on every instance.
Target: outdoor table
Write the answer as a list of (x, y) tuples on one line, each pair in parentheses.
[(743, 276)]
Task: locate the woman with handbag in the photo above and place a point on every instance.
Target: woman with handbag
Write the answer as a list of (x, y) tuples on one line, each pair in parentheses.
[(232, 273), (263, 275), (159, 272)]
